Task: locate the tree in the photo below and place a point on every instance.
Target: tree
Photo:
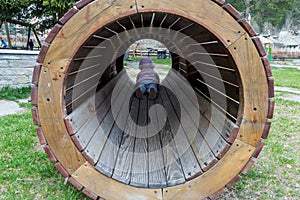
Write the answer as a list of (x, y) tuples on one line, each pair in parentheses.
[(47, 11), (271, 11)]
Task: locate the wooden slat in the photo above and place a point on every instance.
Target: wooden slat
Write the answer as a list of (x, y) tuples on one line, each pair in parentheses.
[(231, 183), (267, 128), (173, 168), (36, 74), (224, 171), (231, 10), (68, 15), (42, 53), (271, 87), (271, 109), (35, 116), (90, 194), (220, 23), (52, 121), (75, 183), (190, 165), (108, 188), (41, 136), (109, 154), (61, 169), (208, 131), (258, 149), (139, 170), (99, 139), (157, 173), (54, 31), (34, 95), (49, 153), (83, 3), (200, 147), (254, 87), (267, 66), (259, 46), (247, 27), (123, 166), (80, 116), (89, 129)]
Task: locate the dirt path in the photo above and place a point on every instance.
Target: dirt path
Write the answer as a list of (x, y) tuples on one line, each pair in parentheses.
[(295, 96)]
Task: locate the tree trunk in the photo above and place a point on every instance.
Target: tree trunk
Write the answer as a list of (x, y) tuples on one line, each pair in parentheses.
[(7, 34), (247, 11)]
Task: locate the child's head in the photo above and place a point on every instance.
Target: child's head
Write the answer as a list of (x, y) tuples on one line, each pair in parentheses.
[(145, 63)]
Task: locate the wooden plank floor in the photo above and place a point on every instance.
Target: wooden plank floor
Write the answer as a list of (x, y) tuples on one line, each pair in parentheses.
[(132, 155)]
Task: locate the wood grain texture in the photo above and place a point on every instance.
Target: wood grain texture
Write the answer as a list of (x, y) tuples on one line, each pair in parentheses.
[(247, 27), (109, 154), (36, 74), (108, 188), (231, 10), (255, 90), (172, 163), (190, 165), (220, 23), (52, 121), (125, 156), (224, 171), (83, 3), (140, 165), (54, 31), (80, 27), (157, 173)]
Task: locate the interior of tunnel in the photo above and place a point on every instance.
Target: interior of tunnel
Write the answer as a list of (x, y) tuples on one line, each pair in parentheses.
[(201, 97)]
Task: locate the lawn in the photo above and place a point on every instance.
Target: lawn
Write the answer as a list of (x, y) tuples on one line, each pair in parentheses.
[(286, 77), (26, 173)]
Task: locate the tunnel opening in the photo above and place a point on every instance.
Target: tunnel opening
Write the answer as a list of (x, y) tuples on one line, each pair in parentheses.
[(200, 97), (153, 49)]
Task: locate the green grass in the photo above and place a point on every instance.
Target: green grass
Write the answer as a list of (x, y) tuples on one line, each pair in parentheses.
[(25, 171), (276, 173), (286, 77), (14, 94), (155, 60)]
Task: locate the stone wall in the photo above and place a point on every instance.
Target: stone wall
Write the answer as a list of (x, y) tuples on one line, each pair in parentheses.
[(16, 70)]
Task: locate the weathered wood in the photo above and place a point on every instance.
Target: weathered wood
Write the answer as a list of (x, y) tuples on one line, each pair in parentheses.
[(41, 136), (109, 154), (171, 161), (190, 165), (258, 149), (83, 3), (247, 27), (157, 173), (198, 143), (36, 74), (139, 170), (99, 139), (254, 87), (42, 53), (124, 161), (61, 169), (271, 109), (231, 10), (102, 186), (224, 171)]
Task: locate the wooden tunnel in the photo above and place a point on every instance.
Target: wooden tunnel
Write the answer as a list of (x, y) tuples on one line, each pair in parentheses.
[(212, 109)]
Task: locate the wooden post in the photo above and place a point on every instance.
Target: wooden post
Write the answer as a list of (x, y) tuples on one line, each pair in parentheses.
[(28, 37), (37, 37), (7, 34)]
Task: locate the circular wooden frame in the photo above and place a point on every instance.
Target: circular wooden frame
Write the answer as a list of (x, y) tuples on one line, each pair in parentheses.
[(88, 16)]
